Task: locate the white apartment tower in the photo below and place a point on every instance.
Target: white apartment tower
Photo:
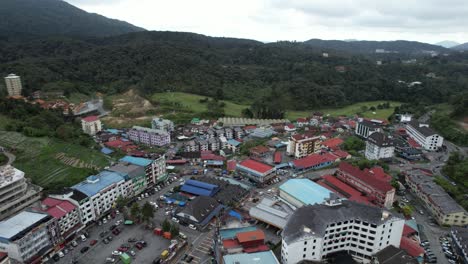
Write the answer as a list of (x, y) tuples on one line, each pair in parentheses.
[(13, 85)]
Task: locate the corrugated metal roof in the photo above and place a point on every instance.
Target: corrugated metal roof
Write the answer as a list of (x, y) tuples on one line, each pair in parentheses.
[(19, 222), (265, 257), (306, 191), (95, 183), (137, 161)]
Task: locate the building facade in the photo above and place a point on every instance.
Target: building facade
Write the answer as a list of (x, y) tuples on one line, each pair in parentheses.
[(148, 136), (314, 232), (91, 125), (256, 171), (424, 136), (66, 214), (302, 145), (15, 192), (364, 128), (13, 85), (155, 170), (379, 146), (445, 210), (162, 124), (378, 190), (28, 235)]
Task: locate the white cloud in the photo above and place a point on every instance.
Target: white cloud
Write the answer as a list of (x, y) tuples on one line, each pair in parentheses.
[(271, 20)]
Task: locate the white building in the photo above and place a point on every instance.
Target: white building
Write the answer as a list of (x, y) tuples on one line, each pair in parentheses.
[(13, 85), (302, 145), (162, 124), (101, 191), (315, 231), (65, 212), (424, 136), (148, 136), (28, 235), (16, 193), (379, 146), (155, 169), (91, 125), (365, 127)]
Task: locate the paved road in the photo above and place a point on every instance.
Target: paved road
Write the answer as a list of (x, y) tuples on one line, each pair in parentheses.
[(10, 156)]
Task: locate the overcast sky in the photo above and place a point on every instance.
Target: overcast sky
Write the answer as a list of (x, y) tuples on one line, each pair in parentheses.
[(271, 20)]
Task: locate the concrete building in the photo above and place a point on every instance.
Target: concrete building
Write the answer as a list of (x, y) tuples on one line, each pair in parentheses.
[(135, 174), (66, 214), (273, 212), (155, 170), (15, 192), (302, 145), (13, 85), (101, 191), (162, 124), (375, 183), (256, 171), (91, 125), (200, 211), (148, 136), (365, 127), (445, 210), (27, 236), (300, 192), (263, 257), (379, 146), (314, 232), (424, 136)]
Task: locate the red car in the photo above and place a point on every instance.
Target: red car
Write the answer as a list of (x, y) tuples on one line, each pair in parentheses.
[(93, 242), (123, 249), (139, 246)]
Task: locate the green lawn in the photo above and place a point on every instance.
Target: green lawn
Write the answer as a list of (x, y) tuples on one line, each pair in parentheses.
[(356, 108), (37, 158)]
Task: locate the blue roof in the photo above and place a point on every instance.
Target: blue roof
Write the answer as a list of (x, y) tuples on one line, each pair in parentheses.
[(235, 214), (106, 150), (232, 232), (265, 257), (233, 142), (113, 131), (196, 190), (95, 183), (306, 191), (137, 161), (214, 162), (200, 184)]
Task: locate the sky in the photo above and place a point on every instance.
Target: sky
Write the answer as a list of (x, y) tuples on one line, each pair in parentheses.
[(428, 21)]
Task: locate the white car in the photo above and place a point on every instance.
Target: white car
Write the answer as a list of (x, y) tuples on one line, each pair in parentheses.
[(116, 253), (83, 238), (117, 212), (167, 212), (110, 260), (175, 220), (60, 254), (146, 195), (192, 227), (74, 243), (104, 221)]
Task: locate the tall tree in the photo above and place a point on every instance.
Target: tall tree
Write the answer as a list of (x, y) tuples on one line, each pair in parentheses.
[(147, 212)]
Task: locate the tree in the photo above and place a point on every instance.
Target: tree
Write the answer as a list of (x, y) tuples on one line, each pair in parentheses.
[(407, 210), (354, 143), (147, 212), (135, 211), (174, 230), (166, 225), (121, 202)]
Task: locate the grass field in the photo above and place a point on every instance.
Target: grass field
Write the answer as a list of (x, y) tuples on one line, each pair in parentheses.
[(37, 158)]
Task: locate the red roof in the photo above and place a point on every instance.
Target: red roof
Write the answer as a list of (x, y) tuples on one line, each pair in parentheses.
[(117, 143), (277, 157), (344, 189), (365, 176), (302, 120), (260, 149), (231, 243), (290, 126), (314, 160), (90, 118), (413, 143), (256, 249), (256, 235), (380, 174), (341, 153), (57, 208), (408, 231), (307, 135), (180, 161), (231, 165), (332, 142), (256, 166), (250, 127), (208, 155), (411, 247)]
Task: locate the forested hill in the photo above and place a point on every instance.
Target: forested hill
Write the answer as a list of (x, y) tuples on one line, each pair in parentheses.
[(369, 47), (240, 70), (29, 18)]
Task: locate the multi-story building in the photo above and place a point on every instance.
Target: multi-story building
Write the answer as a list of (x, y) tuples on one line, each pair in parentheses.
[(15, 192), (148, 136), (445, 210), (135, 174), (229, 133), (379, 146), (155, 170), (256, 171), (424, 136), (213, 144), (365, 127), (101, 191), (203, 145), (162, 124), (459, 237), (65, 212), (302, 145), (374, 183), (13, 85), (314, 232), (191, 146), (238, 133), (27, 236), (91, 125)]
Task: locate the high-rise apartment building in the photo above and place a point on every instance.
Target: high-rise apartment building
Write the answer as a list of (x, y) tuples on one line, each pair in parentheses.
[(13, 85)]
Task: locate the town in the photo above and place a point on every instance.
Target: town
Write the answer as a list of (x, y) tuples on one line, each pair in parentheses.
[(318, 189)]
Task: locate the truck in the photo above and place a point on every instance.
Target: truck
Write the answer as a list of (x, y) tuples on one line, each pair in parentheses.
[(164, 254), (125, 258), (128, 222)]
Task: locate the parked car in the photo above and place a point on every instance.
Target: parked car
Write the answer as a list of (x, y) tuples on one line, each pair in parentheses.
[(110, 238), (60, 254), (123, 249), (106, 241), (116, 231), (133, 253), (110, 260), (116, 253), (175, 220), (182, 235), (74, 243), (93, 242), (83, 250), (83, 238), (139, 246), (189, 259), (192, 227), (132, 239)]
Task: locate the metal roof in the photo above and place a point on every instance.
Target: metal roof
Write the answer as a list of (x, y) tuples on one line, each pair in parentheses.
[(306, 191), (95, 183), (19, 222), (137, 161), (265, 257)]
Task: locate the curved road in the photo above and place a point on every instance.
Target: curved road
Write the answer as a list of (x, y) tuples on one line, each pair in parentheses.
[(10, 156)]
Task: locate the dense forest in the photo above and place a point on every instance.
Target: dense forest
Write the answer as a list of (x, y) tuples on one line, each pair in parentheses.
[(245, 70)]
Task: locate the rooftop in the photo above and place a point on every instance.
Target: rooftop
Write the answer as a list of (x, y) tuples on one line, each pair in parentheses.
[(393, 255), (127, 168), (137, 161), (314, 160), (271, 211), (314, 219), (265, 257), (19, 222), (150, 130), (365, 176), (243, 237), (255, 166), (57, 208), (332, 142), (96, 183), (380, 139), (422, 128), (90, 118), (9, 175), (306, 191)]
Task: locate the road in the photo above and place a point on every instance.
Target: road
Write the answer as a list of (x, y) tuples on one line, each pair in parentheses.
[(11, 157)]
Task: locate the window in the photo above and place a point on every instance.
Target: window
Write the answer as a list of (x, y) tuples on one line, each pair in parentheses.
[(303, 256), (305, 242), (305, 249)]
